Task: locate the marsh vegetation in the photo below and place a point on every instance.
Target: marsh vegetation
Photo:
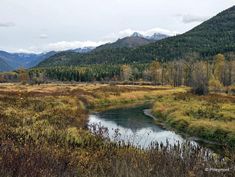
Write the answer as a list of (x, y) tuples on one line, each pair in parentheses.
[(44, 133)]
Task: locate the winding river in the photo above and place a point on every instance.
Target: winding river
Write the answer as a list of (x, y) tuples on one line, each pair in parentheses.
[(131, 125)]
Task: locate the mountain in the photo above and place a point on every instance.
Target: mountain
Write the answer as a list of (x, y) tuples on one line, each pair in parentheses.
[(136, 34), (39, 58), (4, 66), (129, 42), (12, 61), (83, 50), (157, 37), (16, 60), (133, 41), (154, 37), (217, 35)]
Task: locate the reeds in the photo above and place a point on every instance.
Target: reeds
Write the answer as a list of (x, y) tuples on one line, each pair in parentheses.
[(46, 135)]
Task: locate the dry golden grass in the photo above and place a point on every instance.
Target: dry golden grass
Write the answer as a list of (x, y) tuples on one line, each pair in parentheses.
[(97, 96), (43, 133), (211, 117)]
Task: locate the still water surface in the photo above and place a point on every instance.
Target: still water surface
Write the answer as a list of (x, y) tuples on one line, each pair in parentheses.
[(134, 127)]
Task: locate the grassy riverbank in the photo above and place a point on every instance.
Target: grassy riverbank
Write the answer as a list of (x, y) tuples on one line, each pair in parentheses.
[(96, 96), (209, 117), (115, 96), (44, 133)]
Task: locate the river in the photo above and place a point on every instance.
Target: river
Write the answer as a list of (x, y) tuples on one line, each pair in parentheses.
[(134, 127)]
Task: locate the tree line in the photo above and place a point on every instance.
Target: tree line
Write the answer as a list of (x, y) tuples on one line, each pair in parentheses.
[(201, 75)]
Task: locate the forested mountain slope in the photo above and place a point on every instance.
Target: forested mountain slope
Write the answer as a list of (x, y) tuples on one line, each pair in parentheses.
[(4, 66), (217, 35), (129, 42), (25, 60), (133, 41)]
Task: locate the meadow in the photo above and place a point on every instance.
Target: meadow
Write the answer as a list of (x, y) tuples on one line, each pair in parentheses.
[(210, 117), (44, 133), (95, 96)]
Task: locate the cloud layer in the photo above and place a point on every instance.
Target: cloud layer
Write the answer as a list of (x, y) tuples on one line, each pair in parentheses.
[(61, 46), (67, 45), (6, 24), (193, 18), (43, 36), (148, 32), (49, 25)]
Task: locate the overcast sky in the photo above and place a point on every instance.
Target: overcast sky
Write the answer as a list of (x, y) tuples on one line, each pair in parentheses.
[(43, 25)]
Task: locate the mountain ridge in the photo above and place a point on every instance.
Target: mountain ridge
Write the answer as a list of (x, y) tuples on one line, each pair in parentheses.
[(132, 41), (12, 61), (25, 60), (4, 66), (216, 35)]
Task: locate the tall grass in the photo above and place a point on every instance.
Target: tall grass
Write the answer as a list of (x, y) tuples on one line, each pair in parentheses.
[(209, 117), (43, 133)]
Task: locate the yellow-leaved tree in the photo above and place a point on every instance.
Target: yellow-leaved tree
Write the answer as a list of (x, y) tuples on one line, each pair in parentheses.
[(155, 71)]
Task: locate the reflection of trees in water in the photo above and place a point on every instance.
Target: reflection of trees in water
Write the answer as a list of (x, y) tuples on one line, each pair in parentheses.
[(132, 118), (141, 138)]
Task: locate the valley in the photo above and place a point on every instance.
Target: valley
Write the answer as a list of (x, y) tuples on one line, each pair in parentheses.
[(144, 103), (54, 117)]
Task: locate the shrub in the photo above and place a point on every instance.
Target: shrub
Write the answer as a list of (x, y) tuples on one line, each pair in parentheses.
[(215, 85)]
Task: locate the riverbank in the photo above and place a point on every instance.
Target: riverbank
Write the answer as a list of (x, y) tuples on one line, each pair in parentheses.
[(212, 145), (97, 97), (208, 117), (118, 96), (44, 133)]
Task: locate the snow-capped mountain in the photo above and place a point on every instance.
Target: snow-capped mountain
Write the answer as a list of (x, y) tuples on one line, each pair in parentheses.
[(157, 36), (12, 61), (154, 37), (136, 34), (83, 50)]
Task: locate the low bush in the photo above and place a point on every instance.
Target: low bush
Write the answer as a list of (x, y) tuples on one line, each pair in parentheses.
[(44, 134)]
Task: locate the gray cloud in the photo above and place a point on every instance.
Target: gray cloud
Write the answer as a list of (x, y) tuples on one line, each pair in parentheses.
[(193, 18), (60, 46), (66, 45), (68, 23), (6, 24), (43, 36)]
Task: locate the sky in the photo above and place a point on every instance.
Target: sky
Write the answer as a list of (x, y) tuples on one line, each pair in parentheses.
[(45, 25)]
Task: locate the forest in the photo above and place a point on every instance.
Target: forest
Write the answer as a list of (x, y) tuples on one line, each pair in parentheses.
[(88, 89), (217, 75)]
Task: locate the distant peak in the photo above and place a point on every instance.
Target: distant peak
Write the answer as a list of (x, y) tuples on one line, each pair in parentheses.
[(157, 36), (136, 34)]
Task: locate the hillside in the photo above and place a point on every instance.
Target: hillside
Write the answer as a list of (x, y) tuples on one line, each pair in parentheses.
[(4, 66), (29, 60), (83, 50), (39, 58), (129, 42), (133, 41), (26, 60), (216, 35)]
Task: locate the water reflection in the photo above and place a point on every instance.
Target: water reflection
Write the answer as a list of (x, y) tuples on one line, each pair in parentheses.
[(134, 127)]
